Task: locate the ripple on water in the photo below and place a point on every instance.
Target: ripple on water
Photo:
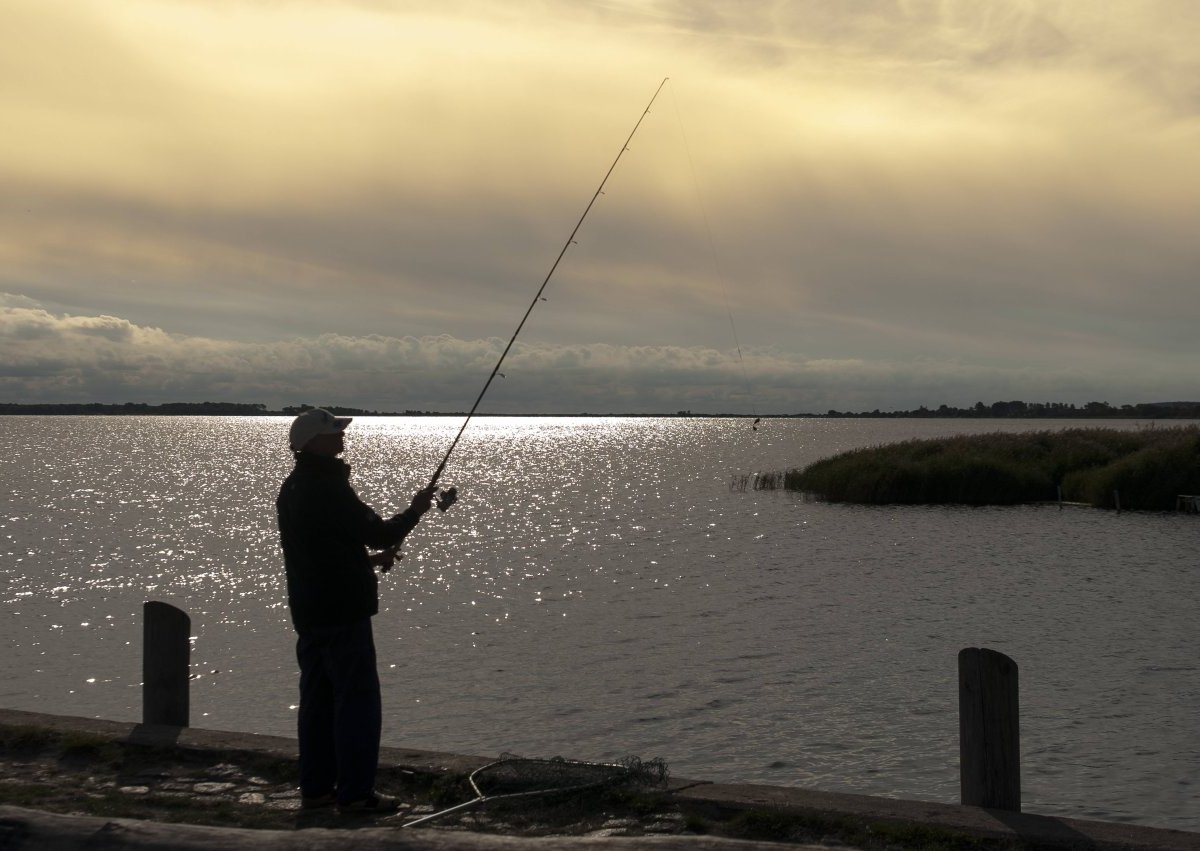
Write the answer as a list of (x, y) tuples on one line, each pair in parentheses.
[(599, 590)]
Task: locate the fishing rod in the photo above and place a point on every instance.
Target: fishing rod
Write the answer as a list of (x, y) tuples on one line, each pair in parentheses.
[(447, 497)]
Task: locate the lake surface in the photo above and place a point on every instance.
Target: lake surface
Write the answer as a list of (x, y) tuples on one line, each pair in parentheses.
[(600, 592)]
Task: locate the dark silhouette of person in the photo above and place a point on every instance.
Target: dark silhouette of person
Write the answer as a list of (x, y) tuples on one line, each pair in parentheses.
[(327, 533)]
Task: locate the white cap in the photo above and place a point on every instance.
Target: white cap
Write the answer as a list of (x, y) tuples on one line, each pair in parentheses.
[(311, 423)]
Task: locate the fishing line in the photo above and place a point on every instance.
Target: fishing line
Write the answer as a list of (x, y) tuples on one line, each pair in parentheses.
[(739, 481), (446, 497), (712, 249)]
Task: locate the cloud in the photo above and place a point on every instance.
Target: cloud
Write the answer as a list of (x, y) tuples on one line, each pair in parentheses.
[(1005, 185), (63, 358)]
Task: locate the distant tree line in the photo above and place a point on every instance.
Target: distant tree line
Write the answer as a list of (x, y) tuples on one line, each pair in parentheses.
[(339, 410), (238, 409), (194, 409), (1001, 410), (1046, 410)]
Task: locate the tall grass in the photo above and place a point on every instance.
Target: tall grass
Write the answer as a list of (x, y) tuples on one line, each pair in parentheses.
[(1148, 468)]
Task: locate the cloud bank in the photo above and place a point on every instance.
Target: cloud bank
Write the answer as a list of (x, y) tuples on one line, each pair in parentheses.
[(995, 193), (64, 358)]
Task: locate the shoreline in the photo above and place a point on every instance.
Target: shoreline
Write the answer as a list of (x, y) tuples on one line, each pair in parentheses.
[(1093, 411), (698, 811)]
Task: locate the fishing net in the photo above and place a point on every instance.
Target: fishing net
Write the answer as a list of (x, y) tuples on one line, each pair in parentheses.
[(513, 777)]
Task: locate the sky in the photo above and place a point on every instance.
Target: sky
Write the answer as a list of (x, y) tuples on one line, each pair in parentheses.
[(832, 204)]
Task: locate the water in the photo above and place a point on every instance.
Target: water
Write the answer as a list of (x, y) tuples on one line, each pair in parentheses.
[(599, 592)]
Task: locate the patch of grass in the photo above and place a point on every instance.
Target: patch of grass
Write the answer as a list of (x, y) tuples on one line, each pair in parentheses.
[(25, 794), (428, 787), (769, 826), (637, 802), (1149, 468), (22, 741), (87, 748), (573, 811)]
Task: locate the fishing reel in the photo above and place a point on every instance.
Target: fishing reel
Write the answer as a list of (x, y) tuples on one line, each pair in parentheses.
[(446, 498), (385, 559)]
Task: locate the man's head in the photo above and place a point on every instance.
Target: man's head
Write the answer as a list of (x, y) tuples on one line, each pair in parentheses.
[(318, 431)]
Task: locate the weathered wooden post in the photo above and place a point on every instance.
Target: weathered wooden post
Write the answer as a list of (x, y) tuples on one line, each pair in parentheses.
[(989, 730), (165, 652)]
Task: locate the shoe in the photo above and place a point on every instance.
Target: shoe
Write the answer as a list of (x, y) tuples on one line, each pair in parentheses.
[(318, 802), (374, 805)]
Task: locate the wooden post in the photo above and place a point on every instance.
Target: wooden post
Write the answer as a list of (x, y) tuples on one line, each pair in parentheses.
[(1117, 500), (989, 730), (165, 652)]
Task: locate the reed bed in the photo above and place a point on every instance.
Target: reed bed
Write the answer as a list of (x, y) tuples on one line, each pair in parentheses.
[(758, 481), (1140, 470)]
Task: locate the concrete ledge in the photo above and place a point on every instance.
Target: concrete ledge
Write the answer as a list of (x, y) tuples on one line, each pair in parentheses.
[(717, 798), (193, 738), (1040, 831)]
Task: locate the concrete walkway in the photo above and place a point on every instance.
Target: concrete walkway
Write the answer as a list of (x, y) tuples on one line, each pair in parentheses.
[(21, 828)]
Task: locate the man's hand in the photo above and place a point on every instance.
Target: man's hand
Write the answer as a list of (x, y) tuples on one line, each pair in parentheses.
[(422, 499), (384, 559)]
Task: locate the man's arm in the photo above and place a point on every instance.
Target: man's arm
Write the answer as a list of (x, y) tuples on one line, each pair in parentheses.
[(358, 521)]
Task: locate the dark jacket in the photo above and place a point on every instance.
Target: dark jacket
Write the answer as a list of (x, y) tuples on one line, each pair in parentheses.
[(325, 530)]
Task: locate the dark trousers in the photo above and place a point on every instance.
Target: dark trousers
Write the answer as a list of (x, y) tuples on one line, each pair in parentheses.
[(340, 712)]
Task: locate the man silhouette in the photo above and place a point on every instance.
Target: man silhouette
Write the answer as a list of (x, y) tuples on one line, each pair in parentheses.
[(325, 531)]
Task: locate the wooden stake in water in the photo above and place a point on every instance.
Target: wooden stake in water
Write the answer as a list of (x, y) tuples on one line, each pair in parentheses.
[(165, 658), (989, 730)]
